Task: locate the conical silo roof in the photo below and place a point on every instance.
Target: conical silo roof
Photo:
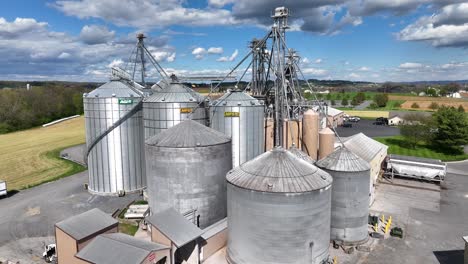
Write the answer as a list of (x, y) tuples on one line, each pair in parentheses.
[(188, 134), (115, 88), (301, 154), (279, 171), (343, 160), (236, 98), (175, 93)]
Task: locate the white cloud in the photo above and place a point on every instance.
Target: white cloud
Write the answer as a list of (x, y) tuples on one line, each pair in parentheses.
[(230, 58), (364, 68), (318, 61), (19, 26), (95, 34), (215, 50), (64, 55), (199, 52), (305, 60), (220, 3), (314, 72), (354, 76), (116, 63), (448, 28), (411, 65), (171, 58)]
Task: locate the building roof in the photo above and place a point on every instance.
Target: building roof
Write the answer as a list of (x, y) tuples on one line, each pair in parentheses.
[(188, 134), (175, 93), (279, 171), (118, 248), (114, 88), (343, 160), (333, 111), (236, 98), (175, 227), (86, 224), (214, 229), (364, 146)]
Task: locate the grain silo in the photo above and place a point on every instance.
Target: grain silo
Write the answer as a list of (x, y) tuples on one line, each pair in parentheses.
[(114, 138), (278, 210), (170, 106), (186, 167), (310, 133), (301, 154), (326, 142), (241, 117), (350, 195)]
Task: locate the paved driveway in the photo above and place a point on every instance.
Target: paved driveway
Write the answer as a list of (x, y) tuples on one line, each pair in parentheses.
[(366, 127), (33, 213)]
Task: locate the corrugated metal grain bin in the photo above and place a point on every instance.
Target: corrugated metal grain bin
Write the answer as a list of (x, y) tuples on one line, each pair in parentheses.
[(186, 167), (350, 195), (116, 160), (278, 211)]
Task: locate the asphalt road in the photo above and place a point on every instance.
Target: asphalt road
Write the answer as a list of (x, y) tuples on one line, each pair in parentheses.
[(370, 130), (33, 212)]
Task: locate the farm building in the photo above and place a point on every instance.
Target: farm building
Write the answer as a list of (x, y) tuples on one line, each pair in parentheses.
[(74, 233), (395, 120), (371, 151), (335, 116)]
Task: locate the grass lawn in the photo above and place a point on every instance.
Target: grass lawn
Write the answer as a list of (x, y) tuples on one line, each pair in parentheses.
[(397, 145), (391, 105), (30, 157), (128, 229)]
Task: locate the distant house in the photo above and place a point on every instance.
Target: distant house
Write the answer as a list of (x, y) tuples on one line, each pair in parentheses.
[(454, 95), (395, 120)]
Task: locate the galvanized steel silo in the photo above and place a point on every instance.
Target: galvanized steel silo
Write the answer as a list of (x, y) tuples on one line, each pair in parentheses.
[(170, 106), (278, 211), (186, 167), (241, 117), (114, 137), (350, 195)]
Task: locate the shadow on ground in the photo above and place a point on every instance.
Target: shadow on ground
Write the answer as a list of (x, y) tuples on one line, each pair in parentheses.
[(449, 256)]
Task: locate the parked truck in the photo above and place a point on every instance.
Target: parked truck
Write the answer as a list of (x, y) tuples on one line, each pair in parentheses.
[(414, 167), (3, 188)]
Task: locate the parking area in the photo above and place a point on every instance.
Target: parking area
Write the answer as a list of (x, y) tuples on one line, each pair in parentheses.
[(369, 129)]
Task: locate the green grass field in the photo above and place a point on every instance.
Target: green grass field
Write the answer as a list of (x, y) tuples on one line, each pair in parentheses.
[(397, 145), (31, 157)]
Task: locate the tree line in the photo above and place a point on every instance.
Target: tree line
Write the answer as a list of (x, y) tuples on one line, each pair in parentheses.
[(446, 130), (23, 109)]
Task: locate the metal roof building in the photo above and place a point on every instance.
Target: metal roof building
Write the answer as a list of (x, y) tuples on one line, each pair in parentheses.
[(120, 248), (371, 151), (74, 233), (175, 227), (86, 224)]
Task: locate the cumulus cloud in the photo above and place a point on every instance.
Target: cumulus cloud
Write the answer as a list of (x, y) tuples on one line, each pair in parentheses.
[(230, 58), (199, 52), (410, 65), (354, 76), (95, 34), (318, 61), (364, 68), (371, 7), (215, 50), (20, 26), (448, 28), (144, 13), (314, 72)]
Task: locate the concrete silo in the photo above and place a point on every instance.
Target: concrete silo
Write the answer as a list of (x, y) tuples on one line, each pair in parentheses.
[(114, 138), (186, 167), (278, 211), (350, 195), (241, 117), (310, 133), (326, 142), (170, 106)]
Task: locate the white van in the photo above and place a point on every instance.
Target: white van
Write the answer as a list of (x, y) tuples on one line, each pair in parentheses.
[(3, 188)]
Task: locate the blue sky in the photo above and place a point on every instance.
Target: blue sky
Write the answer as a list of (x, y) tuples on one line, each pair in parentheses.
[(372, 40)]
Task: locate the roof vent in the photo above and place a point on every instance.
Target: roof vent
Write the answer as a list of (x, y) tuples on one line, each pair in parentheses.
[(270, 185), (113, 95)]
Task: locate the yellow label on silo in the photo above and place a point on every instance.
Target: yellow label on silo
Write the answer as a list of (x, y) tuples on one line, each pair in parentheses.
[(186, 110), (231, 114)]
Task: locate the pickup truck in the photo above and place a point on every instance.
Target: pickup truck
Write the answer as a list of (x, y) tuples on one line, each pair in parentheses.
[(3, 188)]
